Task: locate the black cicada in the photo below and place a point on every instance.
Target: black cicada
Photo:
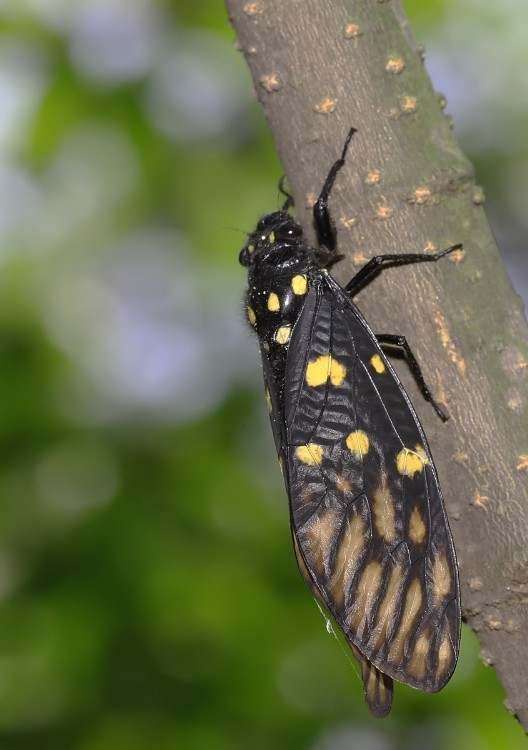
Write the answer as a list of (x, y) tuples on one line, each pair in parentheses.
[(369, 528)]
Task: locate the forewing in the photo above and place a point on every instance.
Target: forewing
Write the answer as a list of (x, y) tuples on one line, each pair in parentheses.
[(366, 508)]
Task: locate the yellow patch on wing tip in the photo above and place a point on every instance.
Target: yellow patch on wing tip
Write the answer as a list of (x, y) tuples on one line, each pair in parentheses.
[(384, 511), (418, 663), (273, 302), (323, 368), (417, 528), (358, 443), (299, 284), (441, 577), (409, 462), (378, 364), (251, 315), (413, 603), (282, 334), (310, 454), (444, 657)]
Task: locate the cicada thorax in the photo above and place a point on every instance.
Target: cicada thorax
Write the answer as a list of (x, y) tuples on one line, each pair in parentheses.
[(273, 305)]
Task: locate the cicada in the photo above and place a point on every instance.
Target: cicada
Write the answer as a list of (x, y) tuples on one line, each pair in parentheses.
[(368, 522)]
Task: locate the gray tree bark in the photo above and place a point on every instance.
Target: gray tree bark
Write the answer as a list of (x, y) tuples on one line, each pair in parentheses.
[(320, 67)]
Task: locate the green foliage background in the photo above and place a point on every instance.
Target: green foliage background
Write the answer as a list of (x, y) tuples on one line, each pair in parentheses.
[(149, 597)]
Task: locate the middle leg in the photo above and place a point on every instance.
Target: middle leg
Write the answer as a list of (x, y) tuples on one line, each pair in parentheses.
[(390, 342), (376, 265)]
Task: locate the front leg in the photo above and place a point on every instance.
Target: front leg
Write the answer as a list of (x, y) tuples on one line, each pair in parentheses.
[(390, 342), (322, 222)]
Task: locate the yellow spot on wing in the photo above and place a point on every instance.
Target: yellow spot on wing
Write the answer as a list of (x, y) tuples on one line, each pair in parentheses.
[(384, 511), (273, 302), (358, 443), (251, 316), (410, 462), (282, 334), (268, 399), (323, 368), (378, 364), (311, 454), (441, 577), (350, 548), (418, 662), (413, 602), (299, 284), (417, 529)]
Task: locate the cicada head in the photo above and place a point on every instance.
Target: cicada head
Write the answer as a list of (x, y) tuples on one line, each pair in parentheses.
[(276, 245)]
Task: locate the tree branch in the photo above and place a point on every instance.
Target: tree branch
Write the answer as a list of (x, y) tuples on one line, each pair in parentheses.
[(320, 68)]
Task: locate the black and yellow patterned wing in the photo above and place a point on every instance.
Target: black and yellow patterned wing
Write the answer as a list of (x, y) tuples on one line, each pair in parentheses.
[(367, 514)]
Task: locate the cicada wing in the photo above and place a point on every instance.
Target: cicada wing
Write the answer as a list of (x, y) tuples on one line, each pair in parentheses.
[(366, 507)]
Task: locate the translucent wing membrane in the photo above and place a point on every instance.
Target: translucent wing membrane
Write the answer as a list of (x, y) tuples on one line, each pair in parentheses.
[(367, 514)]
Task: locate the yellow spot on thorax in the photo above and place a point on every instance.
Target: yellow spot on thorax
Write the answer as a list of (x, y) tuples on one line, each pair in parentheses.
[(251, 316), (299, 284), (323, 368), (311, 454), (350, 548), (358, 443), (417, 529), (273, 302), (409, 462), (413, 602), (384, 511), (378, 364), (387, 608), (282, 334), (441, 577), (418, 662)]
